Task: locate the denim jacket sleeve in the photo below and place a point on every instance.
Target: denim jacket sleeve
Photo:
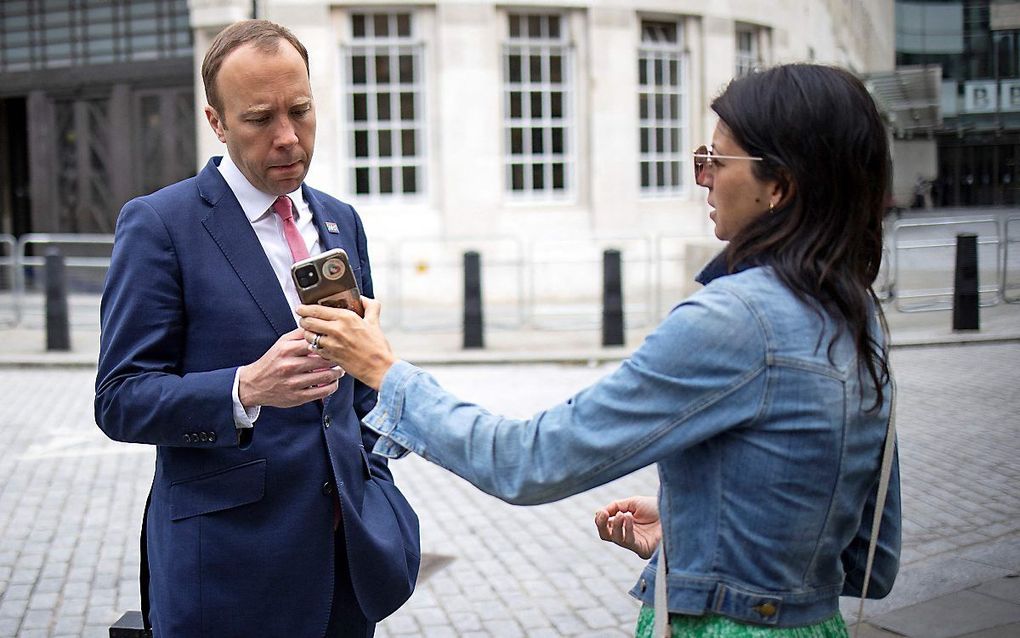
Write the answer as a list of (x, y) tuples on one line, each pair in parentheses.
[(887, 549), (699, 373)]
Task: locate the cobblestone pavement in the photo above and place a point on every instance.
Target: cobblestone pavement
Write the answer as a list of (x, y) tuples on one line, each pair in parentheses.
[(70, 503)]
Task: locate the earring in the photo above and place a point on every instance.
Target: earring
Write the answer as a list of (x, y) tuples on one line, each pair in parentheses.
[(772, 208)]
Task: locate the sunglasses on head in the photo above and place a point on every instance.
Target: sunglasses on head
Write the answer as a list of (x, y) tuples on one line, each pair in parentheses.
[(704, 156)]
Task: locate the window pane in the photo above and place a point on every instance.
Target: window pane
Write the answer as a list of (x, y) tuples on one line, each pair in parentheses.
[(385, 145), (534, 26), (516, 141), (360, 143), (660, 172), (643, 105), (515, 68), (382, 69), (645, 135), (386, 179), (645, 175), (407, 142), (660, 107), (537, 145), (535, 68), (674, 139), (538, 177), (536, 104), (359, 75), (554, 27), (556, 107), (404, 25), (382, 106), (410, 178), (515, 104), (556, 69), (381, 22), (657, 65), (660, 140), (358, 25), (674, 73), (360, 107), (406, 69), (557, 140), (361, 181), (515, 26), (407, 106), (558, 180), (642, 72), (674, 173), (517, 177)]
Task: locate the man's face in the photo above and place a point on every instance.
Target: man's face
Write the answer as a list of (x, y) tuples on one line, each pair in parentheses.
[(268, 118)]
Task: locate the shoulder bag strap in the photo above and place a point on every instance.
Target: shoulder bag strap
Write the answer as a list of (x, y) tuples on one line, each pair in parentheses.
[(883, 489)]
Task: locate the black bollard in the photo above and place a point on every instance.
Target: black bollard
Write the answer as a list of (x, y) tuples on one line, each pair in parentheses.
[(58, 331), (965, 287), (473, 320), (612, 298)]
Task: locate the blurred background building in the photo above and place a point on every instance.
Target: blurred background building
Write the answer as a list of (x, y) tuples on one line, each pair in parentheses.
[(536, 132)]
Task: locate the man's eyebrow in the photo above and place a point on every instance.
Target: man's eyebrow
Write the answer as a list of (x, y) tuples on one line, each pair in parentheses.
[(256, 109)]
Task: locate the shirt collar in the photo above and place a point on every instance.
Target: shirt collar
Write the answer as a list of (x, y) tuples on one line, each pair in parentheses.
[(719, 268), (254, 202)]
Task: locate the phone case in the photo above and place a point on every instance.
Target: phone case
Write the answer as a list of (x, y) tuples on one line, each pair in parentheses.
[(335, 283)]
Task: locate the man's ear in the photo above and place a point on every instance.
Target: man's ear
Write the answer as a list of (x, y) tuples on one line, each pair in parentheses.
[(216, 122)]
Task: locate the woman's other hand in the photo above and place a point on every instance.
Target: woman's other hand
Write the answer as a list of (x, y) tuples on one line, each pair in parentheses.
[(357, 345), (632, 523)]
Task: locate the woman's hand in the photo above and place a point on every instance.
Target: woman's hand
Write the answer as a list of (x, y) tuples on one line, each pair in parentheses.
[(632, 523), (357, 345)]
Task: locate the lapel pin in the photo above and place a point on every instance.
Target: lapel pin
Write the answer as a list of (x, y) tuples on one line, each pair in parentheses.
[(331, 227)]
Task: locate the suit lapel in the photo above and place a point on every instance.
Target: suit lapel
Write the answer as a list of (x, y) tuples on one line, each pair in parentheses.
[(232, 232), (323, 217)]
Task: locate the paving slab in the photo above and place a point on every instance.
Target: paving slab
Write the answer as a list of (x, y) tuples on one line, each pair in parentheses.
[(1006, 631), (950, 616)]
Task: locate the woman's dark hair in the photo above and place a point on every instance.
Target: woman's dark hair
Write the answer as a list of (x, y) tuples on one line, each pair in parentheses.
[(821, 137)]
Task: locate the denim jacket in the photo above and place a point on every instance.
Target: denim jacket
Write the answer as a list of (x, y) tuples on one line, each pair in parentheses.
[(768, 458)]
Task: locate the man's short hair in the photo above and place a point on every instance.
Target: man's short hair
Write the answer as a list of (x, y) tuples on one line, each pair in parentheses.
[(264, 35)]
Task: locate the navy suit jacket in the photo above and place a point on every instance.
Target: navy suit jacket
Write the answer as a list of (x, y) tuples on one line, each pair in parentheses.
[(240, 534)]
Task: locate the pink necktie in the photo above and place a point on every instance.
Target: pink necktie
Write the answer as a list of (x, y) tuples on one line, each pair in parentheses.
[(285, 209)]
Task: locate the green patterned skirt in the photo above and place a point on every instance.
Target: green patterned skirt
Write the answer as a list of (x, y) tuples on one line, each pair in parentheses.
[(722, 627)]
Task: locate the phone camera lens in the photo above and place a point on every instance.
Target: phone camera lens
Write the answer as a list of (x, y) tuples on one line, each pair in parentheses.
[(306, 276)]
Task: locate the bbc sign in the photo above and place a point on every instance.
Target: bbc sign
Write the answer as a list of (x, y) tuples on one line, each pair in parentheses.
[(988, 97)]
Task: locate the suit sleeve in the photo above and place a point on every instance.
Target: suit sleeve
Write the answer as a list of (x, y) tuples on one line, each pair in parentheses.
[(365, 397), (887, 549), (142, 394)]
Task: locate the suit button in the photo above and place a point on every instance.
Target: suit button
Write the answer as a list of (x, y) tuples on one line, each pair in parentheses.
[(212, 437), (203, 437), (187, 438), (327, 421), (327, 488)]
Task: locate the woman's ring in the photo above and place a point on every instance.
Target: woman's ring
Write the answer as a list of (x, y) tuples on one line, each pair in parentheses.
[(315, 341)]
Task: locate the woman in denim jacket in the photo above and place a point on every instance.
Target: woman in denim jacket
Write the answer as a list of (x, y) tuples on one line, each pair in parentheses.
[(763, 398)]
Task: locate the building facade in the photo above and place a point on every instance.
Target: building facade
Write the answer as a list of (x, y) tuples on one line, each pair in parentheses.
[(976, 44), (537, 132)]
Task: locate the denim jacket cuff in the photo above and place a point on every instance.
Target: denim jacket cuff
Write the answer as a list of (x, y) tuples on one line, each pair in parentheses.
[(383, 419)]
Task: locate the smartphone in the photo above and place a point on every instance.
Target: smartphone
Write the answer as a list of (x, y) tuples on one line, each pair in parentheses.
[(327, 279)]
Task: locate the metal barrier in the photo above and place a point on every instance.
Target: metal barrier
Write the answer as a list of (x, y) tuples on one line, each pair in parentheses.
[(1006, 287), (937, 240), (9, 268), (25, 261)]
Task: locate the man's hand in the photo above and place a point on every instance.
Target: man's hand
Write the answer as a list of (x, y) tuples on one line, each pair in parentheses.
[(287, 375), (632, 523), (357, 345)]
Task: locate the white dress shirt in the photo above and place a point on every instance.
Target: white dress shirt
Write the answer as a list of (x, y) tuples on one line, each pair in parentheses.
[(257, 207)]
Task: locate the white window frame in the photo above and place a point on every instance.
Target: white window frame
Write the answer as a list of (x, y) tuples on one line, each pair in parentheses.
[(665, 112), (545, 47), (393, 46), (747, 59)]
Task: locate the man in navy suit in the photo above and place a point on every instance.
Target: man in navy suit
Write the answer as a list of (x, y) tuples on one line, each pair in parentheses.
[(268, 515)]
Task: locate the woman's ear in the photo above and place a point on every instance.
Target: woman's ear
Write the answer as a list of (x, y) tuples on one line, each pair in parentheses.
[(783, 191)]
